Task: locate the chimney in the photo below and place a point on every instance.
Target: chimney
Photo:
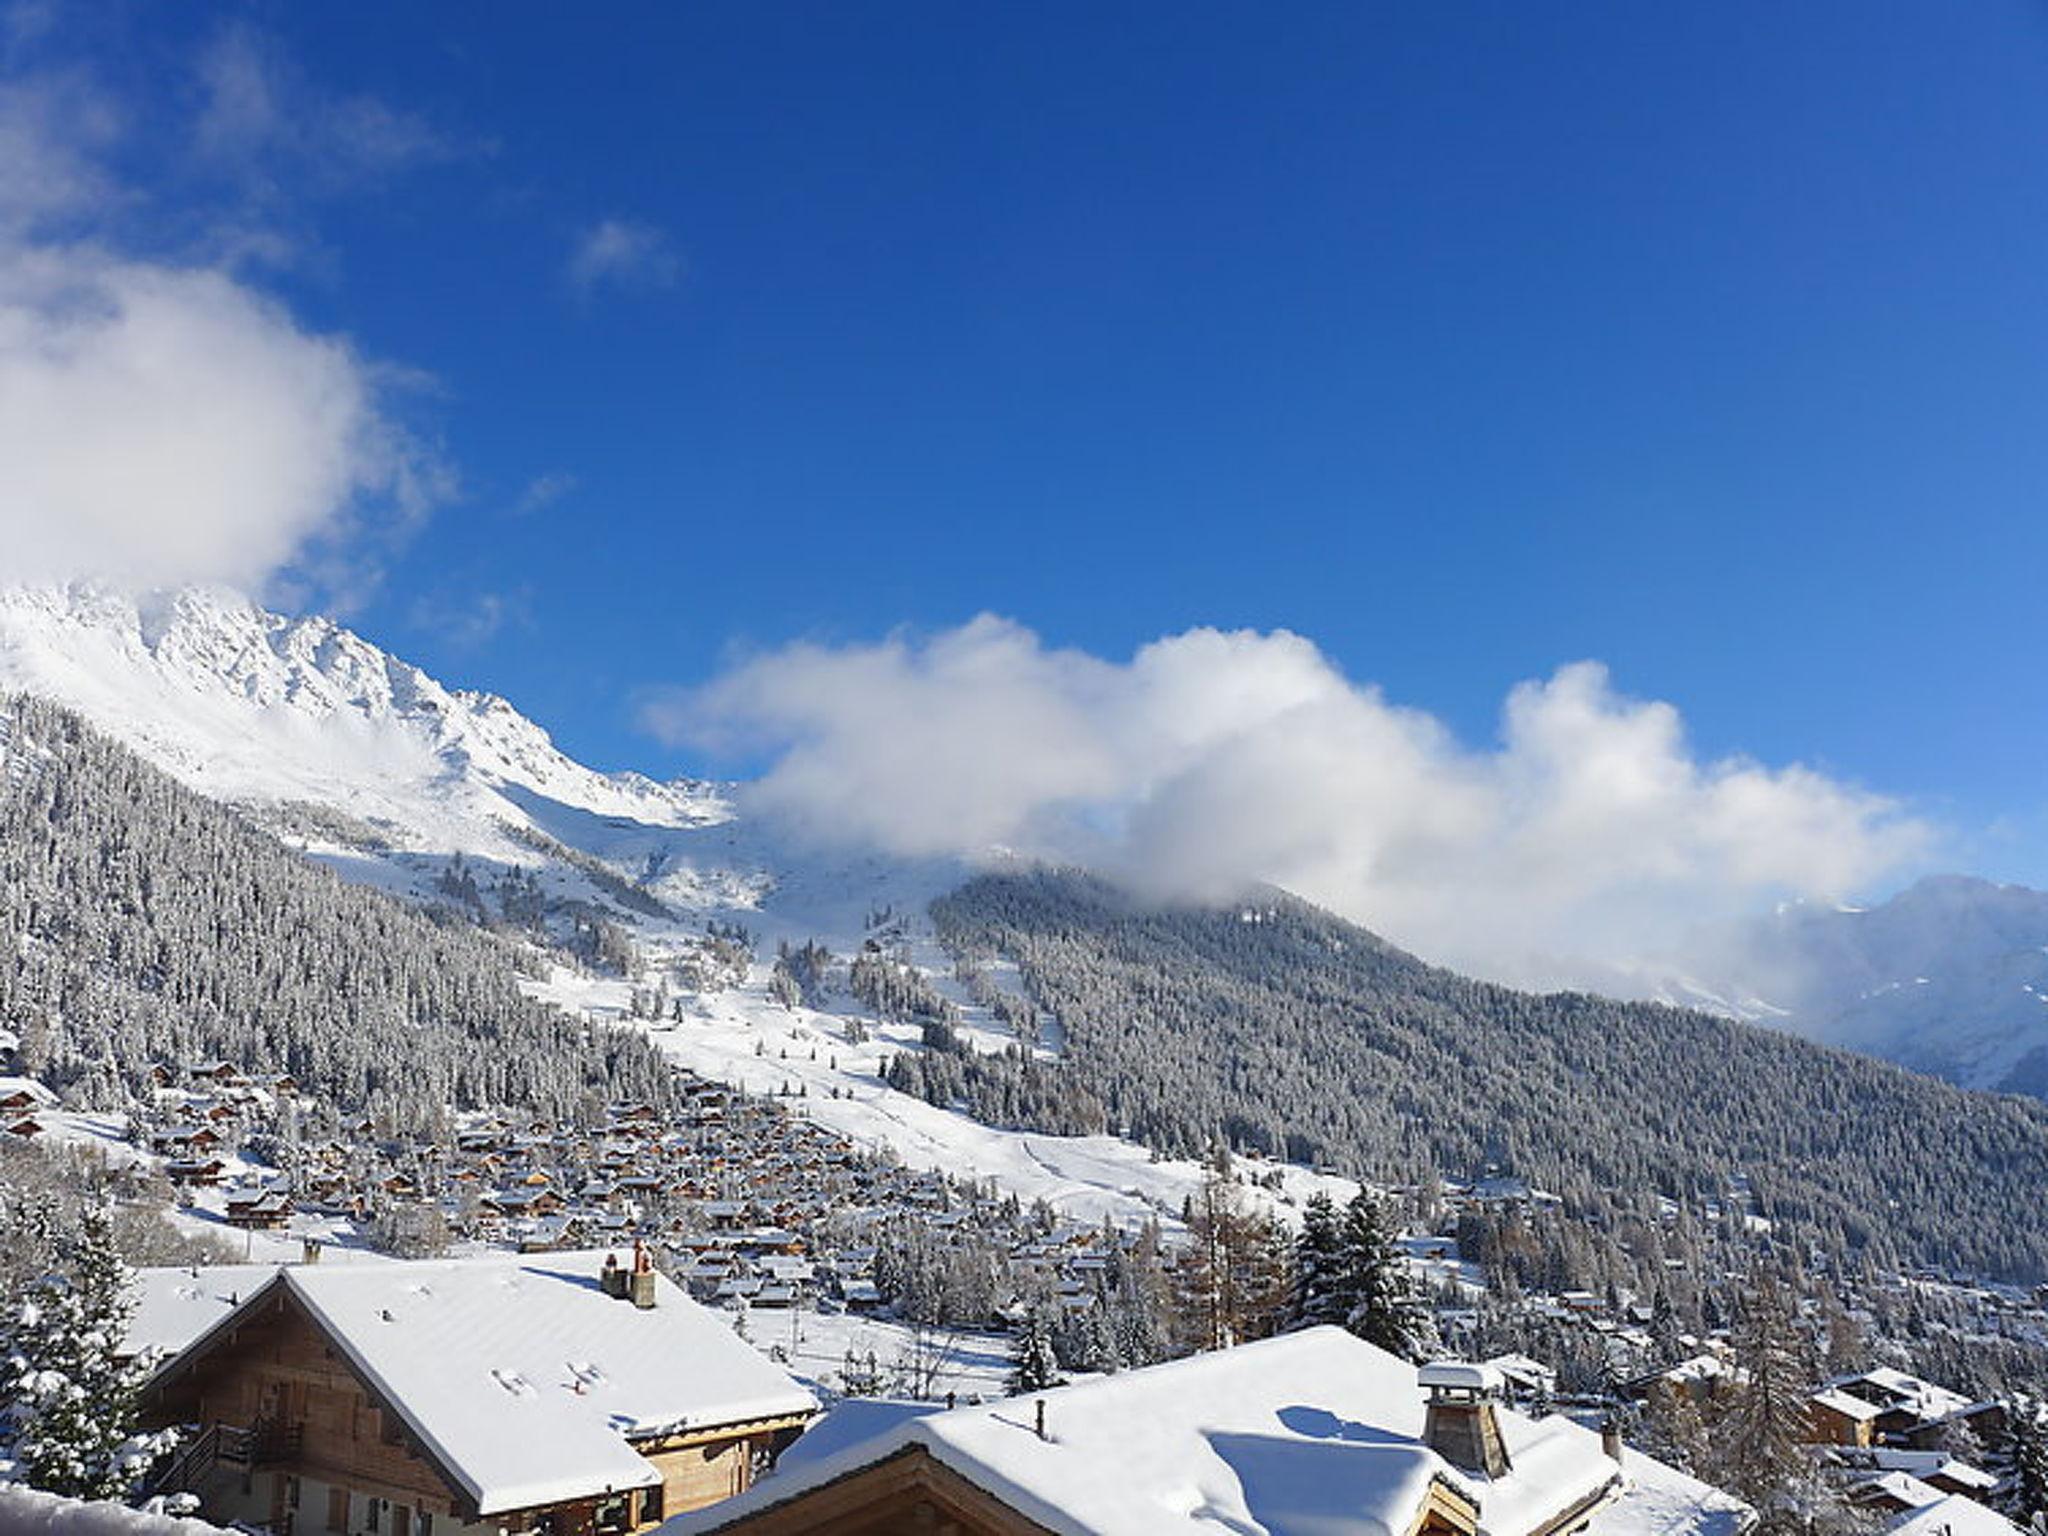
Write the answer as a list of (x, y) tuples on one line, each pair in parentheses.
[(612, 1279), (642, 1282), (1610, 1438), (309, 1251), (1463, 1422)]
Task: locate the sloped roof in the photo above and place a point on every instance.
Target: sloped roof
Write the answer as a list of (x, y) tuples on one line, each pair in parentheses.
[(1952, 1515), (1317, 1431), (523, 1380)]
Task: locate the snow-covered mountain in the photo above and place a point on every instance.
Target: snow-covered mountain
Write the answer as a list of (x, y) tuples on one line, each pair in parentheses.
[(375, 767), (1949, 977)]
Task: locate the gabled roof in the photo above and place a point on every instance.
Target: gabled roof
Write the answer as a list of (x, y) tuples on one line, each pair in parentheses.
[(519, 1377), (1952, 1515), (1316, 1431)]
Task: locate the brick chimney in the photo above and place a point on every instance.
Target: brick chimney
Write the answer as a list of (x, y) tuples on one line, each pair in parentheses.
[(642, 1281), (1463, 1422)]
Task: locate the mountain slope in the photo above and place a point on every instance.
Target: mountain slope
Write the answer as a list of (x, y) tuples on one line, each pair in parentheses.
[(1949, 977), (140, 922), (368, 763), (1281, 1027)]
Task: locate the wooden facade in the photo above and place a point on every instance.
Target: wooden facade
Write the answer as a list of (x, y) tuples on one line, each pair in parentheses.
[(912, 1494), (311, 1448)]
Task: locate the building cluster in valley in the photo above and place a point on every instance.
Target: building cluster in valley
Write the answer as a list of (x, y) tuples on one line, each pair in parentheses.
[(579, 1372)]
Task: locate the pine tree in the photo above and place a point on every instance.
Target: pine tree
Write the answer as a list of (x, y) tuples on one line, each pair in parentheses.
[(1664, 1328), (72, 1404), (2020, 1459), (1033, 1367), (1318, 1266), (1374, 1288)]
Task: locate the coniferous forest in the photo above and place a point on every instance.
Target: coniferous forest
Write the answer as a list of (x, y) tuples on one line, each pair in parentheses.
[(1275, 1027), (140, 922)]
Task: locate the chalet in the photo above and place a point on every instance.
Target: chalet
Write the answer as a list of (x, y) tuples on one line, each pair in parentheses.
[(448, 1397), (195, 1170), (261, 1210), (1314, 1431), (1952, 1515), (1888, 1407), (24, 1096), (1842, 1418)]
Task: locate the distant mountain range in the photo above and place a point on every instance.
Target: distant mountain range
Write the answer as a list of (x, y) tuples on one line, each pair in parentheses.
[(367, 764), (1949, 977), (283, 715)]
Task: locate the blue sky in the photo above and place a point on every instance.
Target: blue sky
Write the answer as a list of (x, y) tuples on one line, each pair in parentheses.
[(1466, 340)]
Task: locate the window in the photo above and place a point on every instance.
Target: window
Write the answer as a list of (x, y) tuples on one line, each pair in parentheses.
[(610, 1517), (650, 1504), (291, 1493), (374, 1515), (401, 1520), (337, 1509), (424, 1523)]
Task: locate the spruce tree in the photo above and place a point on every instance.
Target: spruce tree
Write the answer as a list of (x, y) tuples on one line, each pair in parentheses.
[(1379, 1300), (1318, 1266), (2020, 1458), (72, 1406), (1033, 1367)]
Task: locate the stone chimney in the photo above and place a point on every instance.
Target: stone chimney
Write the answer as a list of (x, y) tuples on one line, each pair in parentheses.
[(642, 1281), (309, 1251), (1463, 1422)]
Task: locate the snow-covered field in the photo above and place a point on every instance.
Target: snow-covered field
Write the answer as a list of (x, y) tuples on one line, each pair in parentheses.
[(744, 1038)]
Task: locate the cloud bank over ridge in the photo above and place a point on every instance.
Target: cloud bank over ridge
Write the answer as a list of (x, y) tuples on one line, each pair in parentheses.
[(1214, 760)]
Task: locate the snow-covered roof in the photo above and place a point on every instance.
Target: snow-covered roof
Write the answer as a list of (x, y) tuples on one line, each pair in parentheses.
[(31, 1512), (1459, 1376), (175, 1306), (1926, 1465), (1907, 1489), (1893, 1388), (525, 1381), (1315, 1431), (1952, 1515), (27, 1086), (1846, 1404)]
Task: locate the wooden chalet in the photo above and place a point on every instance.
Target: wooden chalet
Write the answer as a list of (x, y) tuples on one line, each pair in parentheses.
[(1315, 1431), (563, 1395)]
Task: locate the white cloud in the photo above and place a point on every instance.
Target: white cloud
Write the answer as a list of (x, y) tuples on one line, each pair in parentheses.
[(624, 253), (162, 421), (543, 491), (471, 621), (52, 128), (162, 425), (264, 122), (1213, 760)]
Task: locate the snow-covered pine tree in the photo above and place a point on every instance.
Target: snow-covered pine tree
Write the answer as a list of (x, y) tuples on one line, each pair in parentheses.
[(1379, 1300), (1033, 1367), (72, 1404), (1318, 1266), (2020, 1458)]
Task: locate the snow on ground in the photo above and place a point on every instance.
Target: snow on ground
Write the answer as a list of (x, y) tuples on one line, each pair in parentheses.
[(815, 1345), (743, 1038)]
